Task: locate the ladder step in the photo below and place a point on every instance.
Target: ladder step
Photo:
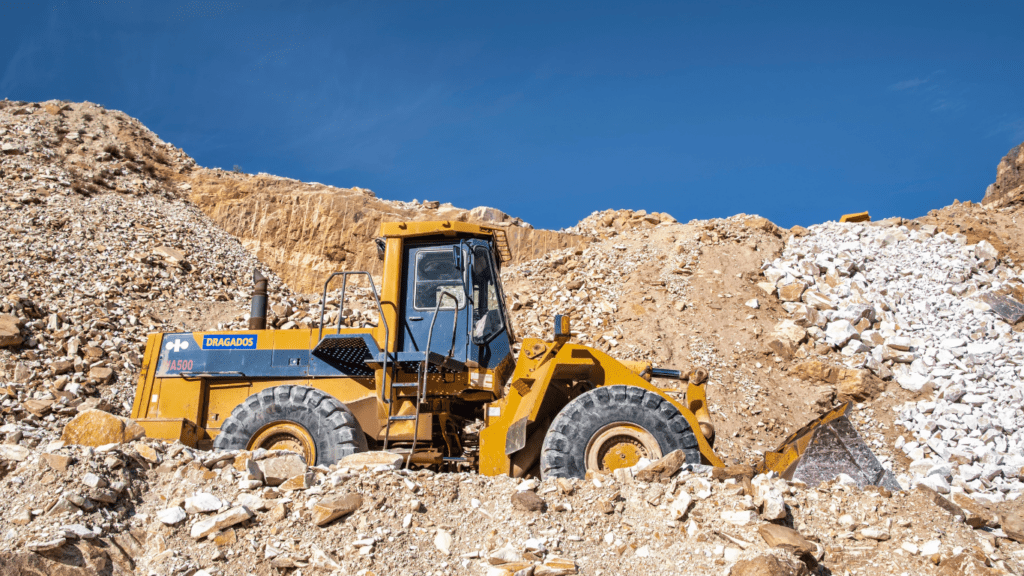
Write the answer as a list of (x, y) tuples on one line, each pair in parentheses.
[(400, 418), (405, 385)]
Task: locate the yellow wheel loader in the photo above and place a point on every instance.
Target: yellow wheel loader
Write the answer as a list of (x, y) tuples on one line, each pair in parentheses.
[(439, 362)]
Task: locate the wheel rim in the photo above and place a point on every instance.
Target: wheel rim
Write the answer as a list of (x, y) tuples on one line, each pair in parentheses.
[(285, 435), (620, 445)]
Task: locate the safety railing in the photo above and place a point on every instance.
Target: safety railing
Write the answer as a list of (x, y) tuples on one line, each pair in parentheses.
[(341, 317)]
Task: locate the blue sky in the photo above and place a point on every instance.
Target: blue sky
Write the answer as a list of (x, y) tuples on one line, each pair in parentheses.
[(549, 111)]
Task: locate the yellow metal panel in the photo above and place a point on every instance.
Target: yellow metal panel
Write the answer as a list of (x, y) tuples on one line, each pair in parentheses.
[(444, 227), (603, 371), (222, 397), (291, 339), (178, 398), (391, 293), (147, 375), (171, 429), (499, 417), (697, 401)]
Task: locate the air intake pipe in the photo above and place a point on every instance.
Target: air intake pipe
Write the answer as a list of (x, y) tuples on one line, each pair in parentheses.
[(258, 314)]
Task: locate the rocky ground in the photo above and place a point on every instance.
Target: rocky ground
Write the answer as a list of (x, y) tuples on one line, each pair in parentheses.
[(150, 508), (106, 236)]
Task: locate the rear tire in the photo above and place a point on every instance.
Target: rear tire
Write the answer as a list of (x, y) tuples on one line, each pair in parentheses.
[(330, 425), (588, 417)]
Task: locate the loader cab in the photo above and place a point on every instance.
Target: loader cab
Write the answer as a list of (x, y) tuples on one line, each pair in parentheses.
[(458, 281)]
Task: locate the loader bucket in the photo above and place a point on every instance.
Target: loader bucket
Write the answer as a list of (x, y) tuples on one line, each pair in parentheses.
[(823, 449)]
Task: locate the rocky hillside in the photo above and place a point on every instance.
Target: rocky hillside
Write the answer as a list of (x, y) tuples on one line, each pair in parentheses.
[(108, 233), (1008, 189), (306, 231)]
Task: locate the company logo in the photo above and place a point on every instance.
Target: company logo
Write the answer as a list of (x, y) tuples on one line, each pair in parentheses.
[(177, 346), (229, 342)]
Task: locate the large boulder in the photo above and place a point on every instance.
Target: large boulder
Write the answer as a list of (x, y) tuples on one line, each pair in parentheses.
[(278, 469), (816, 371), (487, 214), (97, 428), (785, 338), (335, 506), (792, 292), (787, 539), (768, 565), (859, 384), (965, 564), (855, 384), (371, 460), (10, 330)]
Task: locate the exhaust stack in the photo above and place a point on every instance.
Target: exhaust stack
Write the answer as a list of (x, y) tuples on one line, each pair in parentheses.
[(258, 314)]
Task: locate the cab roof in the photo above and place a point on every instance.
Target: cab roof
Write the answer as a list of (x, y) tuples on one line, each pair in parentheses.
[(433, 228), (451, 229)]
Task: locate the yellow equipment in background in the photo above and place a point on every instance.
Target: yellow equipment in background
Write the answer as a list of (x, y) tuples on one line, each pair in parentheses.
[(856, 217)]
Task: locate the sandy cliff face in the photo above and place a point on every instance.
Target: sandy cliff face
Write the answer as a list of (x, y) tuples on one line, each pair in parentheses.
[(305, 231), (1008, 188)]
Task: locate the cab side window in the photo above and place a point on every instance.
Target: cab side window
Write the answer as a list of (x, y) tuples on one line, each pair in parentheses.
[(487, 319)]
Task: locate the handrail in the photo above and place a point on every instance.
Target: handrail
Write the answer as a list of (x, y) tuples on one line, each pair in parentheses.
[(430, 333), (341, 316), (421, 384)]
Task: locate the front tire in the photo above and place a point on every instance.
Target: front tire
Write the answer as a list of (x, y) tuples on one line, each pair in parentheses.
[(611, 427), (296, 418)]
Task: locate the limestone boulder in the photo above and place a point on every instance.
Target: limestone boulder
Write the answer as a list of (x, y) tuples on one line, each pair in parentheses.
[(13, 452), (839, 332), (664, 468), (1013, 525), (985, 251), (527, 501), (172, 255), (226, 519), (371, 460), (792, 292), (965, 564), (976, 515), (101, 374), (10, 330), (768, 565), (96, 428), (785, 338), (858, 385), (788, 539), (334, 507), (487, 214), (279, 469)]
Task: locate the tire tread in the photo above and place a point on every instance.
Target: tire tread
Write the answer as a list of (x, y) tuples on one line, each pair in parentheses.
[(334, 428), (562, 455)]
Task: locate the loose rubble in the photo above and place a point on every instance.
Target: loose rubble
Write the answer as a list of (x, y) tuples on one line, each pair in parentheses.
[(911, 303), (197, 511)]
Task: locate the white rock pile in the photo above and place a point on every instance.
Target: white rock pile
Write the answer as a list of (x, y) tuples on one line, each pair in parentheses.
[(913, 305)]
